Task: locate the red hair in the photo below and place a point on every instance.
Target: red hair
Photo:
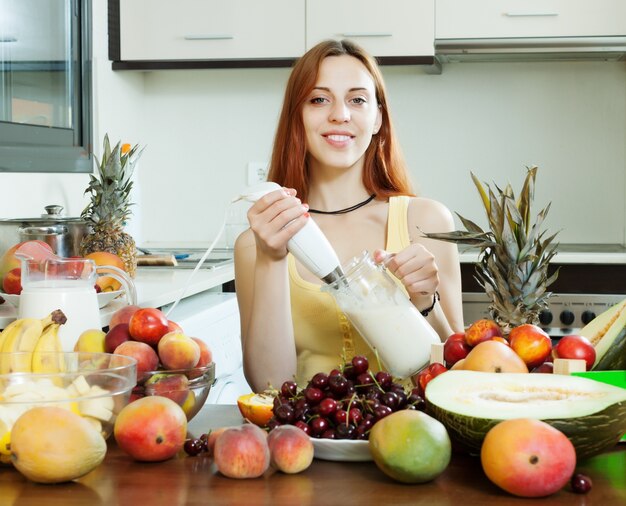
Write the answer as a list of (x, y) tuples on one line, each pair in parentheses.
[(384, 172)]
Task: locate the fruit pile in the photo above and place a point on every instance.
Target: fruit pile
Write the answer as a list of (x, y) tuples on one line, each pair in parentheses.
[(159, 344), (342, 404), (483, 347), (11, 268)]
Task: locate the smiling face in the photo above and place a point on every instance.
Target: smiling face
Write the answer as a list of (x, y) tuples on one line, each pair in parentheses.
[(341, 114)]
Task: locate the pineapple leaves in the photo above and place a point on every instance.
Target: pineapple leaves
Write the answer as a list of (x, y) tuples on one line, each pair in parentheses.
[(514, 253)]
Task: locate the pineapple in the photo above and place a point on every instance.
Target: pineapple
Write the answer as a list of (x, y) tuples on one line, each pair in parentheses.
[(514, 255), (109, 206)]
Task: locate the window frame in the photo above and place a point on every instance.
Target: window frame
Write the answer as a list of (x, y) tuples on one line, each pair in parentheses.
[(32, 148)]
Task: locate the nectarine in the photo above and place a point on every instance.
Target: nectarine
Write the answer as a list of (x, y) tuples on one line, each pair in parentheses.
[(531, 343), (147, 359), (482, 330)]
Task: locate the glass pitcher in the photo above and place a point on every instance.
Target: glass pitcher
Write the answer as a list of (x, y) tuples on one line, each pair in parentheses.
[(67, 284), (382, 313)]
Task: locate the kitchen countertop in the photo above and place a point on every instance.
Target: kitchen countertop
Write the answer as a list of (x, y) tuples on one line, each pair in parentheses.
[(570, 254), (194, 480), (156, 287)]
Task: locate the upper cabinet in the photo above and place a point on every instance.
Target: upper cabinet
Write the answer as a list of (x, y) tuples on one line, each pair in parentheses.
[(167, 30), (392, 28), (483, 19), (152, 34)]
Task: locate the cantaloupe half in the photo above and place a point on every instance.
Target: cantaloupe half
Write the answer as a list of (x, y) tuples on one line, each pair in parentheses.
[(468, 403), (607, 333)]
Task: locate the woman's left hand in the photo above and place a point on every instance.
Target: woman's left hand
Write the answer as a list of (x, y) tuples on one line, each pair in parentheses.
[(415, 266)]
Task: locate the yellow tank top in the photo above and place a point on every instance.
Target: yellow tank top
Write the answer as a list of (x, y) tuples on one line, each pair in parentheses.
[(324, 336)]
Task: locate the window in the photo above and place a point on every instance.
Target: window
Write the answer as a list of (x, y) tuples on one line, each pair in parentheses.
[(45, 86)]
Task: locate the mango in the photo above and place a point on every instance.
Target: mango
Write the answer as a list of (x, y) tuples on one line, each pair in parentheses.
[(410, 446)]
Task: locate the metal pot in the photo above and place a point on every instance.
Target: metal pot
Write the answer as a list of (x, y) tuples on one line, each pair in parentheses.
[(62, 233)]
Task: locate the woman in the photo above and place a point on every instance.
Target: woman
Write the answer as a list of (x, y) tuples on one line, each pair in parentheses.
[(336, 156)]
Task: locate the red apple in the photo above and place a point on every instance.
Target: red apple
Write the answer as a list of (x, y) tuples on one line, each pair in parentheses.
[(575, 347), (426, 374), (455, 348), (482, 330), (148, 325), (116, 336), (531, 343)]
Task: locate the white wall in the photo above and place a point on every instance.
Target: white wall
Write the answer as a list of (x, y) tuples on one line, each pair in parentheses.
[(201, 128)]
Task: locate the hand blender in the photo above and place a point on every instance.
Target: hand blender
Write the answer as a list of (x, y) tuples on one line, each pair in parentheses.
[(310, 246)]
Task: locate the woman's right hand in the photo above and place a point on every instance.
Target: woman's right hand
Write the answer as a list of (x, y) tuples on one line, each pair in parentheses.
[(274, 219)]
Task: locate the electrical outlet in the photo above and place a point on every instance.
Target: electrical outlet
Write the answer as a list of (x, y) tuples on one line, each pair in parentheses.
[(257, 172)]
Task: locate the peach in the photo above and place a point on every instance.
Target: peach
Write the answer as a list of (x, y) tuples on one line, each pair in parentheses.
[(291, 450), (107, 283), (482, 330), (206, 355), (492, 356), (151, 429), (122, 315), (528, 457), (178, 351), (213, 435), (172, 386), (531, 343), (12, 281), (242, 452), (146, 357), (116, 336), (148, 325)]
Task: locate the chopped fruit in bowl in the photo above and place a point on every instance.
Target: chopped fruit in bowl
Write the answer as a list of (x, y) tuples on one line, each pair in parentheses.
[(94, 385), (257, 408)]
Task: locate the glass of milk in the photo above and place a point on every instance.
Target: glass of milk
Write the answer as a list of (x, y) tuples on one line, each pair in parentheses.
[(380, 310)]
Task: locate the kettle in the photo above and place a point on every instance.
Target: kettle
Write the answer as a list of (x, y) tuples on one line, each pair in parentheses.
[(67, 284)]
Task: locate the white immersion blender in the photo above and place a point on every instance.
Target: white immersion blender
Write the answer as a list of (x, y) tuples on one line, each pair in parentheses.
[(310, 246)]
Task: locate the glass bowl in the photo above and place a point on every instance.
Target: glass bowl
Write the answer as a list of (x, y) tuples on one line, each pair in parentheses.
[(95, 385), (189, 388)]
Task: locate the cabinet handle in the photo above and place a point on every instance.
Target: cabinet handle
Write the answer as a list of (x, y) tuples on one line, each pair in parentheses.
[(366, 34), (216, 36), (530, 14)]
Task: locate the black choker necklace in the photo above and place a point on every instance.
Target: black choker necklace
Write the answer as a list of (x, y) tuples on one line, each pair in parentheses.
[(347, 209)]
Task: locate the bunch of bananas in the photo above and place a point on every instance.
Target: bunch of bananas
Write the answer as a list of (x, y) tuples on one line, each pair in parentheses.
[(26, 344)]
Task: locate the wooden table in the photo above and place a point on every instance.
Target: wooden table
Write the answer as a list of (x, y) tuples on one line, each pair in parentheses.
[(194, 480)]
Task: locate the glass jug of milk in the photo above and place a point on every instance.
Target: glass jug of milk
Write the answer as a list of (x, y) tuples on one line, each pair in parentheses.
[(382, 313)]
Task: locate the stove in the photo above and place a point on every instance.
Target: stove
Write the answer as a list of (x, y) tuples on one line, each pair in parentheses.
[(591, 279), (566, 313)]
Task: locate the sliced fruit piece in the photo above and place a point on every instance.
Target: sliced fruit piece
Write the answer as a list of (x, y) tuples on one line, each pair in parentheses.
[(257, 408), (607, 333), (591, 414)]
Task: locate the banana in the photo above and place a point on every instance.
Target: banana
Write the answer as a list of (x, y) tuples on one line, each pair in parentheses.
[(22, 335), (45, 358)]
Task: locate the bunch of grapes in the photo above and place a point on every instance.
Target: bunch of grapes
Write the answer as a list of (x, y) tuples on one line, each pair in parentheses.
[(343, 404)]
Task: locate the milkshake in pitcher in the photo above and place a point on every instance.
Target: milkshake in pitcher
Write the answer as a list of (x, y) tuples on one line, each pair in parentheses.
[(384, 316)]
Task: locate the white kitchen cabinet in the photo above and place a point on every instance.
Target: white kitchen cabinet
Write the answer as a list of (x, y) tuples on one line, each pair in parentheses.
[(210, 29), (391, 28), (479, 19)]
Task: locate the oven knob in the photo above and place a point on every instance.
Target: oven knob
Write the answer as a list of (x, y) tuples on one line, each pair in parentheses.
[(567, 317), (545, 317), (587, 316)]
